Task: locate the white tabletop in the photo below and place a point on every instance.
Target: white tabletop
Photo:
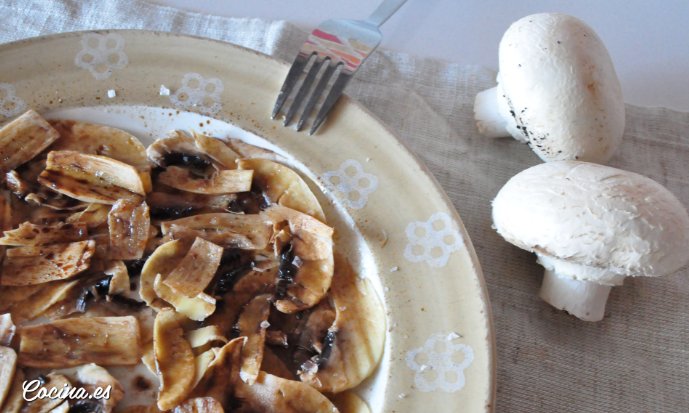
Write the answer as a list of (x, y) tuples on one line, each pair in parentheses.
[(648, 41)]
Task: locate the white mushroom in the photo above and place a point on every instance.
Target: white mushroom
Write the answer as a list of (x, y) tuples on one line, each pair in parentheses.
[(591, 226), (557, 91)]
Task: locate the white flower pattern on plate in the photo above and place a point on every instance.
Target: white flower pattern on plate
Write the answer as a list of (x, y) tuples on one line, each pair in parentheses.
[(199, 93), (10, 104), (440, 363), (101, 54), (432, 241), (352, 182)]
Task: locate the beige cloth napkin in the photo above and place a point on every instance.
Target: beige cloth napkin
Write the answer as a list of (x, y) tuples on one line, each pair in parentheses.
[(635, 360)]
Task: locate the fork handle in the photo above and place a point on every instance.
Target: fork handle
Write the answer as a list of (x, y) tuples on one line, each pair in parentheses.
[(386, 9)]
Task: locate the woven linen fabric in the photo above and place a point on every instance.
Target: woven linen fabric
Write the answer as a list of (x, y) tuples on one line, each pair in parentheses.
[(635, 360)]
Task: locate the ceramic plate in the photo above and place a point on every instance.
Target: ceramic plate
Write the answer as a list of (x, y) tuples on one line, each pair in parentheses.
[(392, 219)]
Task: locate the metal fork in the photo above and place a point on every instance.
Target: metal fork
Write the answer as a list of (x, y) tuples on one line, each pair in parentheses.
[(336, 47)]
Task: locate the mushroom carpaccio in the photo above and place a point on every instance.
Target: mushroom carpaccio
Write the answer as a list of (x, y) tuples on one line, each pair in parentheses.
[(205, 271)]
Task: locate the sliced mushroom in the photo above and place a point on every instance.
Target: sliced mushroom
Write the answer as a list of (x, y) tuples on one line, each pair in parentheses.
[(197, 268), (265, 261), (174, 360), (30, 170), (40, 264), (217, 149), (148, 359), (15, 396), (7, 215), (314, 237), (283, 186), (204, 336), (252, 324), (245, 231), (246, 150), (49, 295), (275, 394), (176, 148), (91, 178), (17, 184), (45, 216), (32, 234), (256, 282), (90, 292), (102, 140), (146, 318), (12, 295), (61, 408), (311, 351), (222, 374), (200, 405), (196, 308), (220, 182), (306, 260), (101, 236), (119, 277), (202, 362), (179, 148), (8, 364), (227, 311), (113, 292), (7, 330), (252, 202), (129, 224), (155, 240), (107, 341), (162, 261), (24, 138), (251, 284), (357, 337), (349, 402), (165, 205), (48, 198), (92, 376), (277, 338), (52, 383), (95, 215), (272, 364), (24, 184)]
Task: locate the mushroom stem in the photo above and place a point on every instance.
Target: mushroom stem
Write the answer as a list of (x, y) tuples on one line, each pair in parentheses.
[(489, 121), (583, 299)]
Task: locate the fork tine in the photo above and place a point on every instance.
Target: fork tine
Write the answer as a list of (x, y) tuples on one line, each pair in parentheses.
[(292, 76), (317, 93), (303, 90), (333, 96)]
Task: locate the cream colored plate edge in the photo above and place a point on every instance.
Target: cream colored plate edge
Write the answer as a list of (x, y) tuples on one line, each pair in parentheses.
[(440, 351)]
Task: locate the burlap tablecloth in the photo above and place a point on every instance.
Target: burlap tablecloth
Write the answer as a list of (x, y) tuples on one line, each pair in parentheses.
[(635, 360)]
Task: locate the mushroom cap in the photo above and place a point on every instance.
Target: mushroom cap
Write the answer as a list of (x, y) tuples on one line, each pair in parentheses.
[(558, 89), (593, 222)]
